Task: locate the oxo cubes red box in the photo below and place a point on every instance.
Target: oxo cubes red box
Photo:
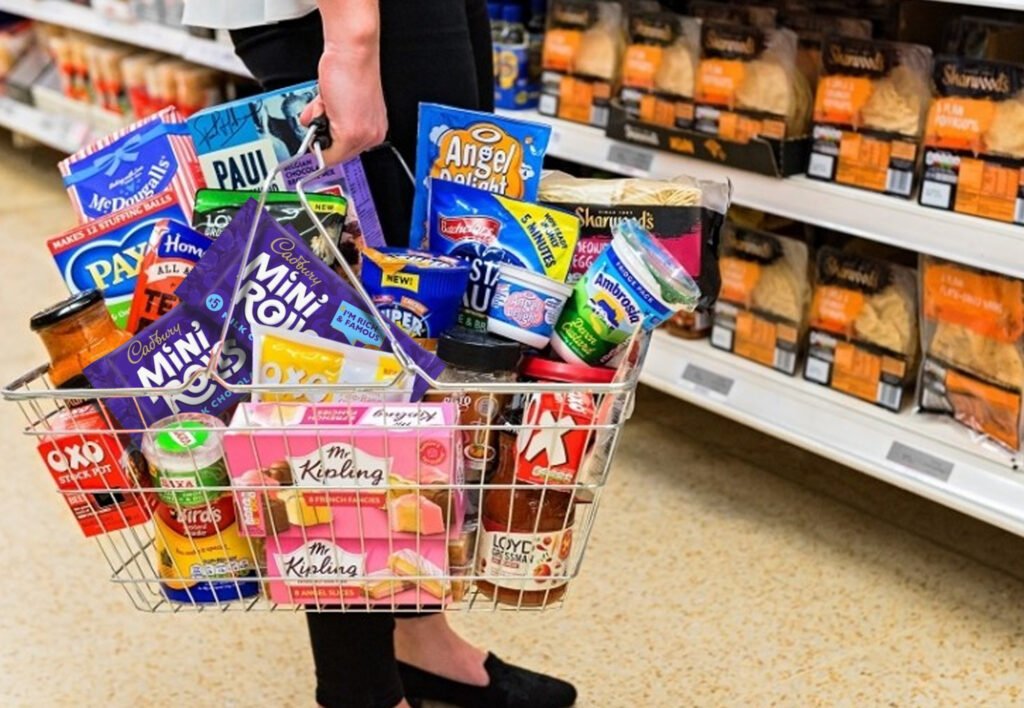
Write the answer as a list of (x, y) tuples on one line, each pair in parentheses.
[(88, 462)]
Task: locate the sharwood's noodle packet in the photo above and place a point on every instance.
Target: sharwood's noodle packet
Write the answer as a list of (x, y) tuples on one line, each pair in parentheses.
[(761, 311), (283, 285), (684, 214), (974, 139), (811, 28), (748, 85), (869, 113), (973, 370), (492, 153), (659, 68), (863, 327), (487, 230), (173, 251), (295, 359), (580, 60)]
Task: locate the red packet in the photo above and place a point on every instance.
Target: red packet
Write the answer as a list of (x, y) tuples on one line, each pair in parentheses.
[(172, 252), (551, 444)]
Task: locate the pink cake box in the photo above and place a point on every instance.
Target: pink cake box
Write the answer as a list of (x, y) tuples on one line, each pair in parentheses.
[(360, 470), (411, 572)]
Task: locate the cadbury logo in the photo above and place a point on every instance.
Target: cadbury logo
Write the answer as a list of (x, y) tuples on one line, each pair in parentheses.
[(476, 228), (285, 247), (998, 83), (857, 60)]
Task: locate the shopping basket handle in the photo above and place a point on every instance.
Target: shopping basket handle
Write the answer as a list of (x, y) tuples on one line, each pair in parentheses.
[(321, 126)]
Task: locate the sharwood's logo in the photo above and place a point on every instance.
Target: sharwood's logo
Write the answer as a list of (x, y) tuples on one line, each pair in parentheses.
[(861, 275), (653, 31), (718, 42), (859, 60), (756, 247), (980, 81)]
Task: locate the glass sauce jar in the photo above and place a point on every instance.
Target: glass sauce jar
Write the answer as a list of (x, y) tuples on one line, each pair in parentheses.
[(76, 332), (525, 537)]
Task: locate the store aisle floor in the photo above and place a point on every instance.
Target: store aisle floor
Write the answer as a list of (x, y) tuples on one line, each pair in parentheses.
[(726, 569)]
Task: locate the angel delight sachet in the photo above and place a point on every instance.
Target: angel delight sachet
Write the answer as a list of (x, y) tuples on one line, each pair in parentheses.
[(284, 285)]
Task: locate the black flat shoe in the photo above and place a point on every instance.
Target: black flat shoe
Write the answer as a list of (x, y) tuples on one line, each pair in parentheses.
[(510, 687)]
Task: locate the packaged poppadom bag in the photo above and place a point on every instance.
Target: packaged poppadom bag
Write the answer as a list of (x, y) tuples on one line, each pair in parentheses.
[(488, 230), (499, 155)]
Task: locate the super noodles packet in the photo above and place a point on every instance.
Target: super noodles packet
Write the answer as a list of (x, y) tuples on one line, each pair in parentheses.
[(863, 337), (761, 312), (684, 214), (284, 285), (487, 230), (659, 68), (974, 139), (869, 112), (493, 153), (748, 85), (973, 338)]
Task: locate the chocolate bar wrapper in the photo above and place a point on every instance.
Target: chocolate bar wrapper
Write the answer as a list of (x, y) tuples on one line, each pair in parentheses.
[(147, 158), (215, 208), (285, 285), (173, 251), (107, 254)]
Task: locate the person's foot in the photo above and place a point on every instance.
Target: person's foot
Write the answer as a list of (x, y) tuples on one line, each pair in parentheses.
[(508, 686)]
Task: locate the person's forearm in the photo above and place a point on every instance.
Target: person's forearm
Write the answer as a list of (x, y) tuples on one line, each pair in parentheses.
[(352, 25)]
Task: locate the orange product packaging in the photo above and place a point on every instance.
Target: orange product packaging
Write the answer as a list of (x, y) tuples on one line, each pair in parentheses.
[(974, 140), (761, 312), (659, 68), (747, 84), (580, 60), (869, 111), (973, 367), (862, 338)]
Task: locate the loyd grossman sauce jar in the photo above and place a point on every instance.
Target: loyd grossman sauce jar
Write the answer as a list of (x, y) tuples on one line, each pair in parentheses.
[(526, 537), (76, 332)]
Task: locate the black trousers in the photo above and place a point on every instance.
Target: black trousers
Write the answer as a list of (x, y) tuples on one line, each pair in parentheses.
[(430, 50)]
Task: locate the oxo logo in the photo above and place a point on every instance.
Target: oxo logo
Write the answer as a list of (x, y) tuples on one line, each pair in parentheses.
[(75, 457)]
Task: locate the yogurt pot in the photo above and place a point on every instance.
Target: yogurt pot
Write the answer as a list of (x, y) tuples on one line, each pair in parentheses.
[(633, 283), (526, 306), (418, 291)]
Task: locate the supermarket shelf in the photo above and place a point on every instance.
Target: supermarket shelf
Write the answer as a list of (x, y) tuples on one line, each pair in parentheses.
[(148, 35), (927, 455), (974, 241), (59, 132)]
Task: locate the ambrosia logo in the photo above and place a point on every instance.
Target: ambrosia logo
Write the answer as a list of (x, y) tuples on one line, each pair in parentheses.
[(473, 228)]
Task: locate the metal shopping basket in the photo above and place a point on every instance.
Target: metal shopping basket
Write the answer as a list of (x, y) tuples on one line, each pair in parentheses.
[(190, 554)]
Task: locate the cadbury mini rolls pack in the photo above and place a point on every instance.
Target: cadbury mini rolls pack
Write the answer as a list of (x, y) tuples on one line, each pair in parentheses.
[(284, 285), (492, 153), (147, 158)]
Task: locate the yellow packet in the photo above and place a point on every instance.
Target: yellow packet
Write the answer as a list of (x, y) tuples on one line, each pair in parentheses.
[(298, 359)]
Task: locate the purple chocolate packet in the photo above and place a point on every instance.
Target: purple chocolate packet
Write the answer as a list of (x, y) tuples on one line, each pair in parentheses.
[(165, 355), (287, 286)]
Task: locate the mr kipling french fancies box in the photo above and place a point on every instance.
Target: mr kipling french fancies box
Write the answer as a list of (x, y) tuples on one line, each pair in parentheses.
[(974, 140)]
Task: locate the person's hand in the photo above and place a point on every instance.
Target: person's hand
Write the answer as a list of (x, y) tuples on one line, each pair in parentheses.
[(352, 97)]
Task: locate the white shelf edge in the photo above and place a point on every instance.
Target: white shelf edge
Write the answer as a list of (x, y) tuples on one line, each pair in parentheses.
[(140, 33), (59, 132), (995, 4), (974, 241), (982, 484)]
